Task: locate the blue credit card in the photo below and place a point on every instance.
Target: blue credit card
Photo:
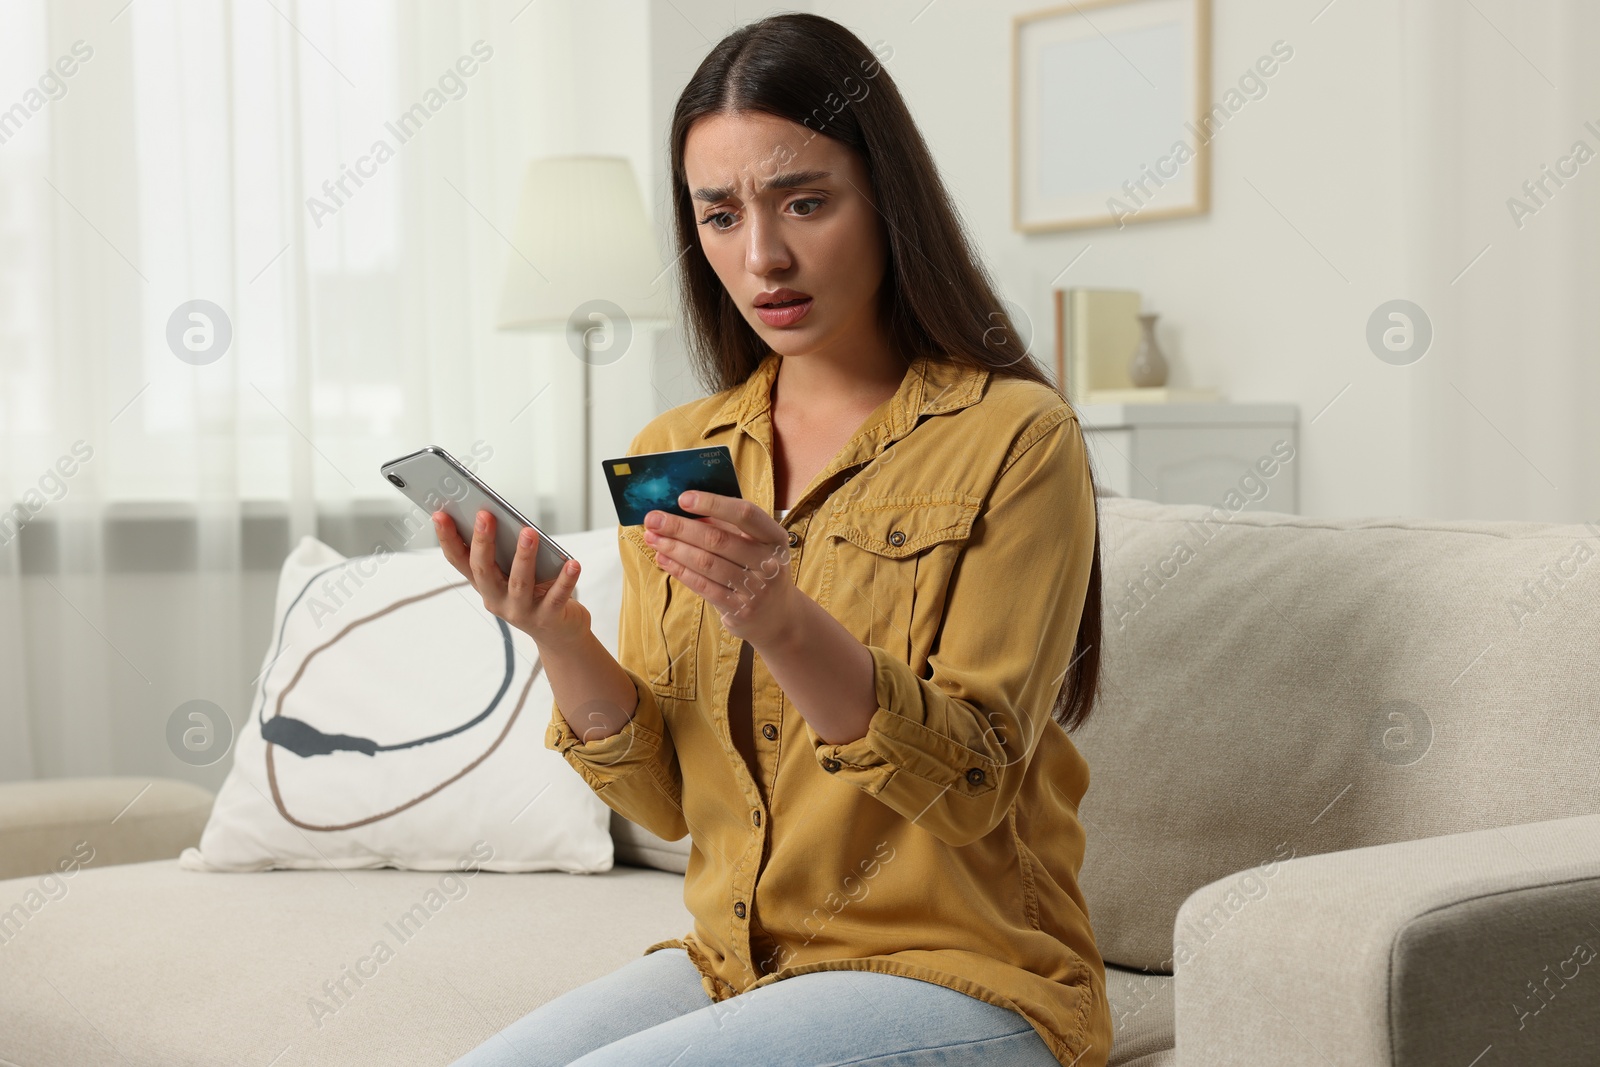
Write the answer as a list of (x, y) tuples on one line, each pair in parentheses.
[(652, 481)]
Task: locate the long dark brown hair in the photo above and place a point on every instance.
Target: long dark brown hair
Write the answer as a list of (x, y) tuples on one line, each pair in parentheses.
[(937, 297)]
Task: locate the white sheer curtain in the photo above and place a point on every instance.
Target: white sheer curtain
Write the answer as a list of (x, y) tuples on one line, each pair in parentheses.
[(151, 494), (1499, 93)]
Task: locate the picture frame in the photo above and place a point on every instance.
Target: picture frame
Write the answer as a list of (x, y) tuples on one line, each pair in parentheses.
[(1110, 113)]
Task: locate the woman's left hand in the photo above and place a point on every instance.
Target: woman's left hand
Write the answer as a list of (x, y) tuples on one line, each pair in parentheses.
[(736, 558)]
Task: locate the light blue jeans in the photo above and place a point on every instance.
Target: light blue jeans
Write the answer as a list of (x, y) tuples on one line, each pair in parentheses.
[(653, 1012)]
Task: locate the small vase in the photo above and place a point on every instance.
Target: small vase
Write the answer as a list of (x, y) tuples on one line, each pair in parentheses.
[(1148, 368)]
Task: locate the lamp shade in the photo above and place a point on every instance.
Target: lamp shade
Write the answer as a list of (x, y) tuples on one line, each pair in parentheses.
[(581, 235)]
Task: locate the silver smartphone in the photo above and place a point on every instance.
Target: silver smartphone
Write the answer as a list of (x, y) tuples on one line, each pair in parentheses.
[(434, 480)]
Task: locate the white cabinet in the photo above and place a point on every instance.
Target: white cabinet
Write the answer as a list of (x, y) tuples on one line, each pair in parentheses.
[(1234, 456)]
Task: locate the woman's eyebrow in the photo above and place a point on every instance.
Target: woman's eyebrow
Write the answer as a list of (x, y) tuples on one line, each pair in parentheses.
[(789, 180)]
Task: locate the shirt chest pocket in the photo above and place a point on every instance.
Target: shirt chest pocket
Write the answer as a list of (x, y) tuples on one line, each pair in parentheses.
[(670, 615), (889, 566)]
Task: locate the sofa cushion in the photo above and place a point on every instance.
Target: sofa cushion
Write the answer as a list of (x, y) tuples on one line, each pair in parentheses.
[(147, 964), (1142, 1020), (60, 824), (1275, 685), (150, 964)]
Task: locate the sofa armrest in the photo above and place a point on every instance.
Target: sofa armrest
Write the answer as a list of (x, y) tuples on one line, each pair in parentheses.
[(60, 824), (1430, 951)]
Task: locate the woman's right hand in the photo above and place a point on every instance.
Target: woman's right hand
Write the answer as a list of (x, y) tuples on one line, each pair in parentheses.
[(545, 611)]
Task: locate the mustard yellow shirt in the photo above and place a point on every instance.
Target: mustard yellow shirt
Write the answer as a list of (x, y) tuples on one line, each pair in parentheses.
[(952, 535)]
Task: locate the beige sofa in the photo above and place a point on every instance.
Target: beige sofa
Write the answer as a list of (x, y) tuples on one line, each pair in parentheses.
[(1346, 784)]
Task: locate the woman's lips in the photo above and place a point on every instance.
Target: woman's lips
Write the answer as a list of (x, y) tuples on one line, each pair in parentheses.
[(785, 315)]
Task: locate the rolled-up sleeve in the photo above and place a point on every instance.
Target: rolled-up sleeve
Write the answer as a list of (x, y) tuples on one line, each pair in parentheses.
[(949, 751), (635, 770)]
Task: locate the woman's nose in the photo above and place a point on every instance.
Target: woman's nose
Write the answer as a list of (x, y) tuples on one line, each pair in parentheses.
[(765, 250)]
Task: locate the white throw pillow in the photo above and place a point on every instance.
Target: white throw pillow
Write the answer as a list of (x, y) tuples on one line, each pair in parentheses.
[(397, 723)]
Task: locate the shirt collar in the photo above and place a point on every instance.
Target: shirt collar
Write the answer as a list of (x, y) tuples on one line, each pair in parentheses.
[(929, 387)]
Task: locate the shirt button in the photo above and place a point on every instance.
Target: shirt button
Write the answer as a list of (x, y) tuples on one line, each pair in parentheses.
[(770, 732), (794, 539), (756, 816), (830, 765), (897, 538), (738, 909), (975, 775)]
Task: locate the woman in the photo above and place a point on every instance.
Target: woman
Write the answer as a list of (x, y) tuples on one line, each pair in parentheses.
[(867, 741)]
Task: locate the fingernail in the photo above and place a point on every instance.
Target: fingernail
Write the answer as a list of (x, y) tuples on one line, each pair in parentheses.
[(653, 520), (483, 523), (688, 500), (527, 536)]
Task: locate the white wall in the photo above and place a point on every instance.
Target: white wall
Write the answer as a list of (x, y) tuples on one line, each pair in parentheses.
[(1265, 301)]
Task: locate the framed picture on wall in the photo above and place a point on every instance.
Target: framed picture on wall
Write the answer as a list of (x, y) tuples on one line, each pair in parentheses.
[(1110, 119)]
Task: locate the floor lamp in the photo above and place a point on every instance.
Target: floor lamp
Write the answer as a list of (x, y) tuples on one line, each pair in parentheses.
[(584, 261)]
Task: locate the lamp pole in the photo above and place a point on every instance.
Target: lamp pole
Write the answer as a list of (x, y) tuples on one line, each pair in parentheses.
[(588, 436)]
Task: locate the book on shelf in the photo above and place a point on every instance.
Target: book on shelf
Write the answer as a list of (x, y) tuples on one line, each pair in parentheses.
[(1097, 331)]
